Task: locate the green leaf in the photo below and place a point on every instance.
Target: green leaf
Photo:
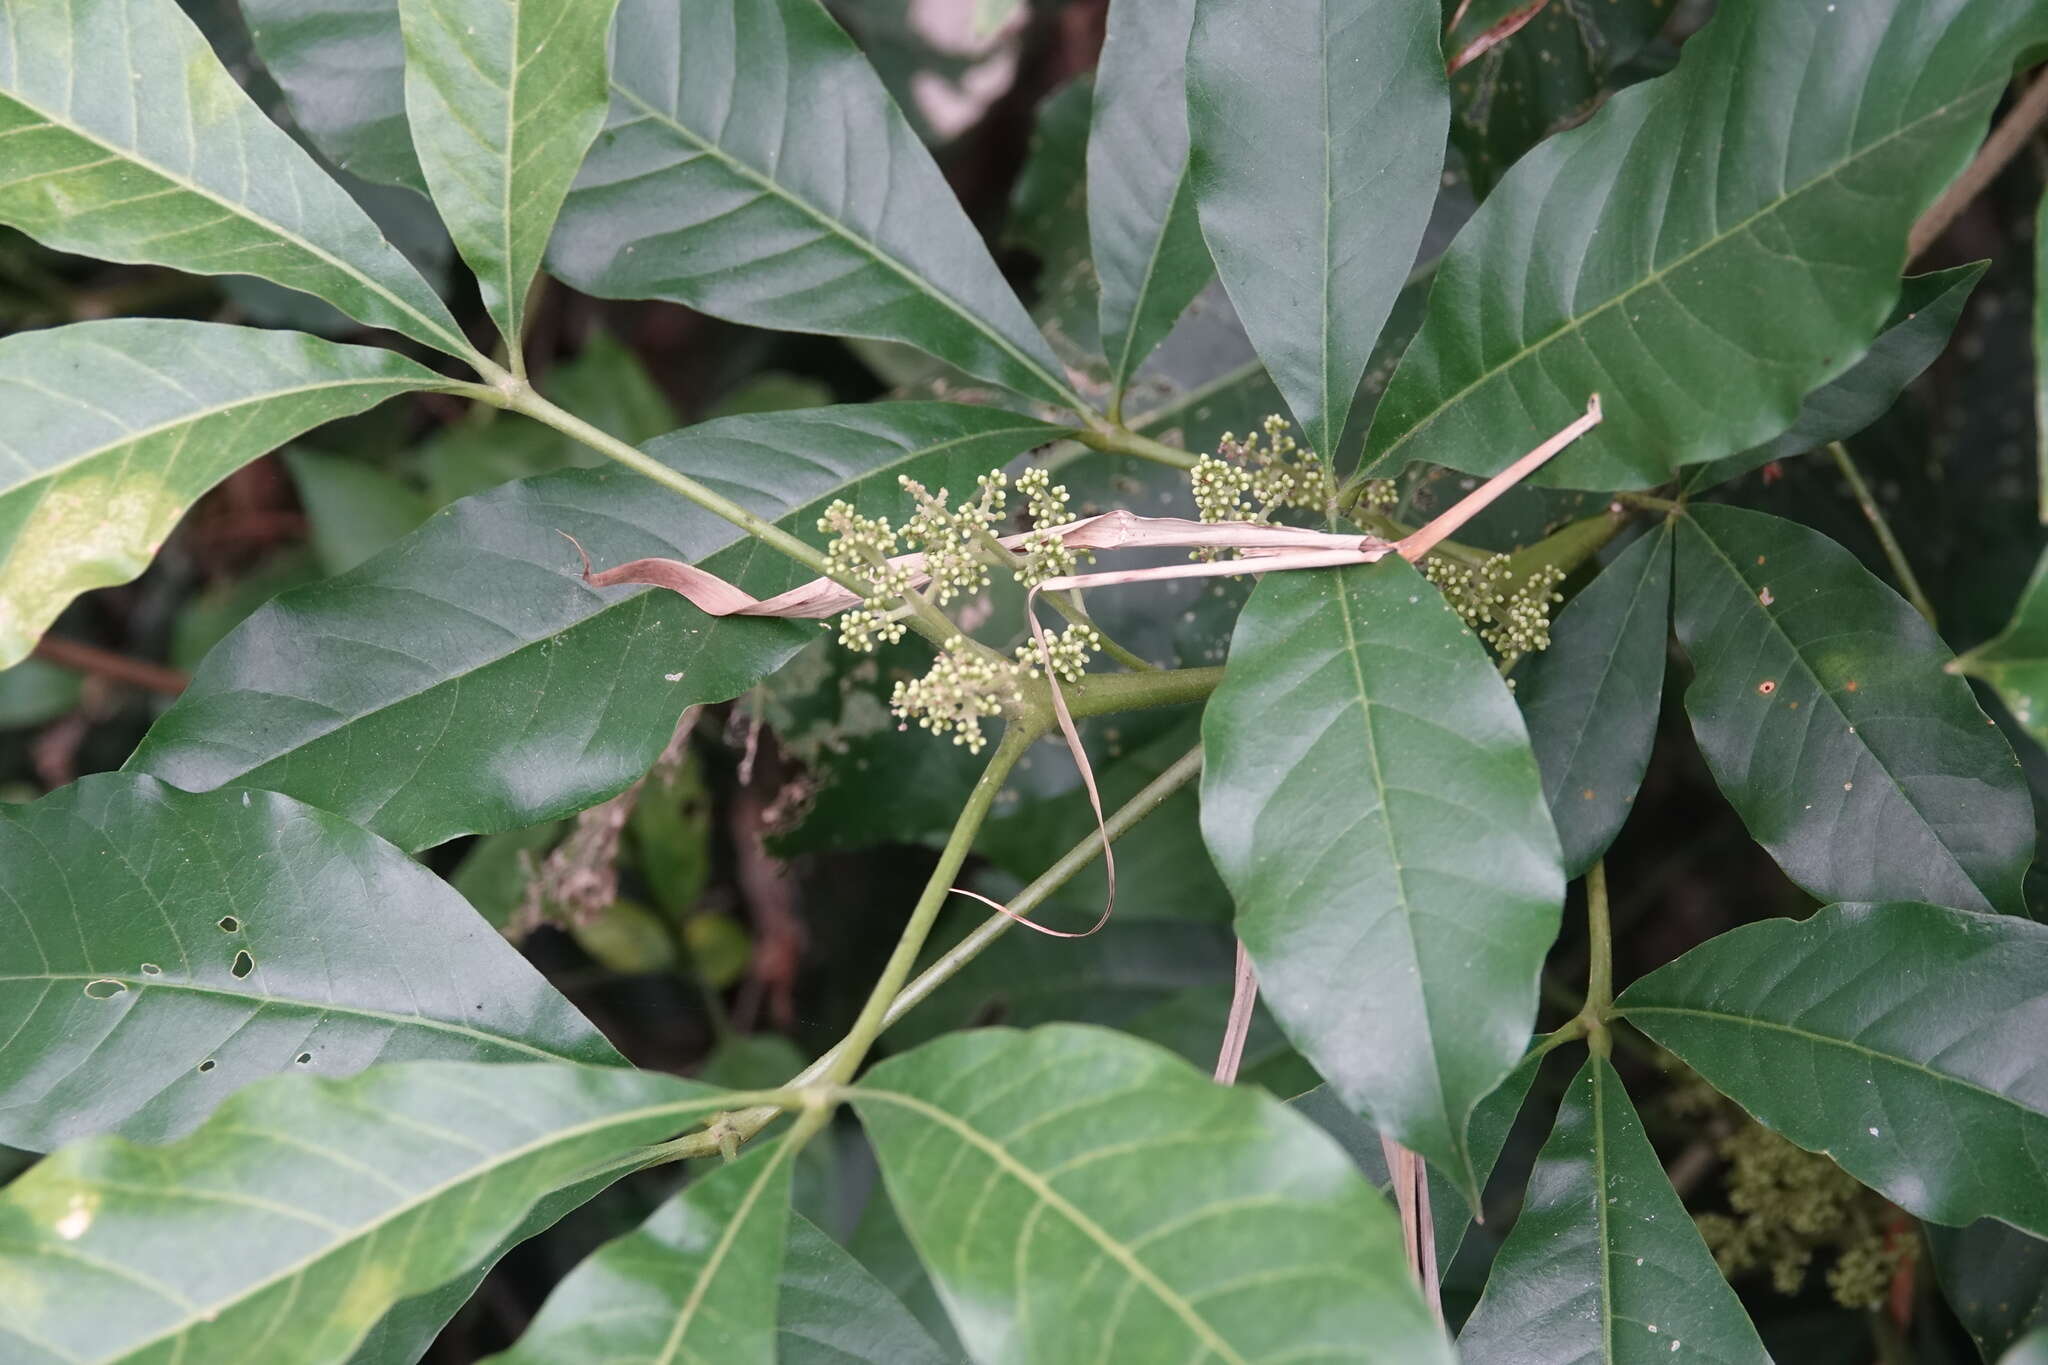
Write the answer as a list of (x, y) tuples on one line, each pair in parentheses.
[(127, 140), (467, 681), (1396, 873), (1819, 701), (1604, 1262), (834, 1312), (341, 66), (1918, 330), (1995, 1278), (2016, 662), (504, 97), (1591, 699), (116, 427), (1315, 167), (696, 192), (1491, 1122), (1897, 1038), (164, 950), (1079, 1195), (1744, 217), (319, 1204), (353, 509), (697, 1281), (1149, 255), (1550, 74)]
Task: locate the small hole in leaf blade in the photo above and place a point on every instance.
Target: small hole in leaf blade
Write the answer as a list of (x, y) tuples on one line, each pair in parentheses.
[(151, 969), (229, 924), (243, 964), (207, 1065), (304, 1058), (105, 988)]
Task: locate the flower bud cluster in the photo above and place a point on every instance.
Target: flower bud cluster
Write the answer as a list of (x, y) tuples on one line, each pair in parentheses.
[(1512, 617), (950, 538), (1069, 650), (1250, 481), (1379, 495), (1787, 1205), (1045, 555), (859, 553), (963, 688)]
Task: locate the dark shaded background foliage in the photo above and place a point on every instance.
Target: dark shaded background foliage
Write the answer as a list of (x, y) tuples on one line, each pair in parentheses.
[(795, 829)]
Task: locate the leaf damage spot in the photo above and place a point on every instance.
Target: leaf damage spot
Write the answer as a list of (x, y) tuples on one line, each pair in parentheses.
[(151, 969), (106, 988), (228, 924), (1767, 686), (242, 965), (207, 1065)]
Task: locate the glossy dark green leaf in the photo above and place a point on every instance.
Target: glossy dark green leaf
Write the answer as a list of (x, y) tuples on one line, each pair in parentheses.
[(1995, 1278), (832, 1311), (341, 66), (466, 680), (1149, 254), (1550, 74), (1396, 873), (1604, 1262), (319, 1205), (697, 1281), (129, 141), (116, 427), (504, 97), (1489, 1133), (1819, 701), (163, 950), (2016, 662), (1591, 699), (753, 168), (1918, 331), (1903, 1040), (1314, 168), (1744, 217), (1079, 1195)]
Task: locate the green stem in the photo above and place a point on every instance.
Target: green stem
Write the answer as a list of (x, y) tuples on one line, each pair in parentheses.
[(867, 1026), (1121, 440), (1574, 1029), (744, 1124), (1599, 962), (1893, 551), (1645, 502), (1099, 694)]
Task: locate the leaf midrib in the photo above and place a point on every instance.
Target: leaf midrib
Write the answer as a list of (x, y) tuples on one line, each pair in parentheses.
[(452, 344), (1658, 275), (769, 185), (1051, 1198), (714, 1262), (426, 1195), (142, 985)]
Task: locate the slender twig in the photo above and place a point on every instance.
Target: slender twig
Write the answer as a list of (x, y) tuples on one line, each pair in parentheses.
[(747, 1122), (2005, 141), (1894, 553), (868, 1025), (1599, 962), (1244, 994), (102, 663), (1505, 28)]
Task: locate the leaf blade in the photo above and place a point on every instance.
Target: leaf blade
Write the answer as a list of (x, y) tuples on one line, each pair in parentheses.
[(123, 424), (1891, 1084), (1147, 243), (1822, 134), (1314, 301), (370, 1190), (694, 121), (1631, 1284), (504, 99), (263, 931), (1258, 1176), (1820, 704), (88, 137), (695, 1281), (833, 1309), (1604, 667), (2015, 662), (1402, 726), (512, 625)]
